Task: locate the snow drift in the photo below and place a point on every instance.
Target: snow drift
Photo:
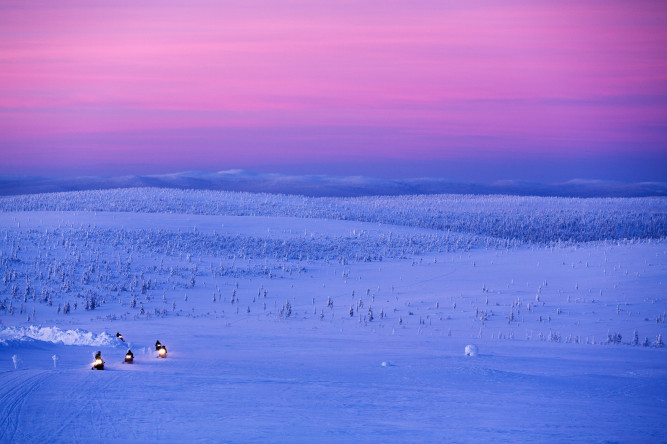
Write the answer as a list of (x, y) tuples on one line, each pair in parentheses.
[(57, 336)]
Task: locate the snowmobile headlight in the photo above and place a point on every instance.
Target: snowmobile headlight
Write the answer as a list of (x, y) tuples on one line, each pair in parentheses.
[(98, 361), (162, 352)]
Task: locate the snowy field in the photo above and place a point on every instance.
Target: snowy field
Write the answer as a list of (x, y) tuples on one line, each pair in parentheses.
[(292, 319)]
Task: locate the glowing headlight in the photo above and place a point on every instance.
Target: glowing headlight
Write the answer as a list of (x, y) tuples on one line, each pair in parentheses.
[(162, 352), (98, 362)]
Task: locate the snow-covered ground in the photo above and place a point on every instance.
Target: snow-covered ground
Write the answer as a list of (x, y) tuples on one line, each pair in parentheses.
[(293, 319)]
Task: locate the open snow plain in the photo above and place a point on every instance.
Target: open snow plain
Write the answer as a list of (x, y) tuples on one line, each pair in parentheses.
[(291, 319)]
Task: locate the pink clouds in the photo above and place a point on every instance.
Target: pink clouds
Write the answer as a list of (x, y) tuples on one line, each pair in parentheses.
[(532, 73)]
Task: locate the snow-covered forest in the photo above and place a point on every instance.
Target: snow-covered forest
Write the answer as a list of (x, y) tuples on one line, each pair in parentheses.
[(290, 318)]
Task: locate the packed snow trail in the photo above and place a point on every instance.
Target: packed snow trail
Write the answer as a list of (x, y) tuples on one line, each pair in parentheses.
[(15, 388)]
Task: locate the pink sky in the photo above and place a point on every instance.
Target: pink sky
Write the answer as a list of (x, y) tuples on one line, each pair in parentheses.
[(123, 86)]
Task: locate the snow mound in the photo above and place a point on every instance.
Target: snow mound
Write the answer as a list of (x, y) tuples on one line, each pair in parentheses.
[(471, 350), (57, 336)]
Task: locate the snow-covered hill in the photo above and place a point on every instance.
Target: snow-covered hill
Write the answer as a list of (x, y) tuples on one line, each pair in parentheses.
[(294, 319), (326, 185), (511, 218)]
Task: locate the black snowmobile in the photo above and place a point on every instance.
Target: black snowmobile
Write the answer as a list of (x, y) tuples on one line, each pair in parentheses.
[(119, 336), (129, 357), (160, 349), (98, 364)]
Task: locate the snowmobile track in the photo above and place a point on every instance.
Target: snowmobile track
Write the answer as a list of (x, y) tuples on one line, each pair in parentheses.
[(14, 389)]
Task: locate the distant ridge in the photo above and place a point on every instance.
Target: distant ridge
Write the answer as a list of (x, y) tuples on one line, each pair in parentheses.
[(327, 186)]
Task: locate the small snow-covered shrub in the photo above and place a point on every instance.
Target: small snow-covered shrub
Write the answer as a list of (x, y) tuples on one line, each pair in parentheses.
[(614, 338), (471, 350)]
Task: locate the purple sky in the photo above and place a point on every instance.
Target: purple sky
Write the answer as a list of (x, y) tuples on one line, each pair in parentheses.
[(470, 90)]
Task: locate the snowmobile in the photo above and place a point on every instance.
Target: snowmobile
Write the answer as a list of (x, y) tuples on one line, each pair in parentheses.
[(162, 352), (129, 357), (119, 336), (98, 364)]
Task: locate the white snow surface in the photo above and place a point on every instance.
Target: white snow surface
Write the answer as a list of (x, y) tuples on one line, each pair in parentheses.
[(334, 320)]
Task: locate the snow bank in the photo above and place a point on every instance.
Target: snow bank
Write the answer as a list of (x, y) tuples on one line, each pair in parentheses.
[(57, 336)]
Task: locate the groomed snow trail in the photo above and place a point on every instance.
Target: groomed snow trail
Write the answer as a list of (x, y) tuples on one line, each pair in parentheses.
[(15, 388)]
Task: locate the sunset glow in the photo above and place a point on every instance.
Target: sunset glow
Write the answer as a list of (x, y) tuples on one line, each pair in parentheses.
[(95, 87)]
